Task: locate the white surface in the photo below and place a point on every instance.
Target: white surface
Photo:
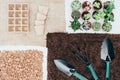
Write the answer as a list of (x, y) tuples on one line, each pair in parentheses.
[(115, 24), (43, 49)]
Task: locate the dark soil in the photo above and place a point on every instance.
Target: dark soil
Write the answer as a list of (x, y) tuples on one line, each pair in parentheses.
[(59, 48)]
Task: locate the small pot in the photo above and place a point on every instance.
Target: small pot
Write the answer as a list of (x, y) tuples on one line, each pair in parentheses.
[(96, 26), (86, 6), (75, 14), (86, 25), (109, 7), (84, 17), (75, 25), (105, 7), (107, 27), (75, 5), (99, 7), (95, 12), (111, 14)]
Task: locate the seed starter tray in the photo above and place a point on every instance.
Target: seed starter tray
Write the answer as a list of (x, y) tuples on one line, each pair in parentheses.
[(18, 17)]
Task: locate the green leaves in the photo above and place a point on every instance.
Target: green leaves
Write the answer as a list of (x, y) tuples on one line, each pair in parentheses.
[(76, 5), (96, 4), (96, 26), (86, 25), (109, 6), (75, 14), (75, 24), (107, 27), (98, 15), (87, 16), (109, 17)]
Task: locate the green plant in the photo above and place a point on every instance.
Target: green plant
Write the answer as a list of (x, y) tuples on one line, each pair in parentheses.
[(107, 27), (96, 26), (75, 14), (87, 16), (76, 5), (109, 17), (96, 4), (75, 24), (86, 25), (98, 15), (109, 6)]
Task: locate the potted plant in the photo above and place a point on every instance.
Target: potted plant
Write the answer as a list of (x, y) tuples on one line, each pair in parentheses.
[(75, 14), (86, 25), (75, 24), (109, 6), (107, 27), (96, 26), (109, 17), (86, 15), (86, 6), (76, 5), (97, 15), (97, 5)]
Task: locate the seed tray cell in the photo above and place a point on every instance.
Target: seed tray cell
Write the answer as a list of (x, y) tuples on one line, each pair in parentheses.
[(11, 7)]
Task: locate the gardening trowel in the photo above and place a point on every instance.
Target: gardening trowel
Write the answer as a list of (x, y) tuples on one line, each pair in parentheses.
[(68, 69), (107, 54)]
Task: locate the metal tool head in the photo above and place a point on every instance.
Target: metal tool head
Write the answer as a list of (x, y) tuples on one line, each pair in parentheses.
[(107, 51), (64, 66)]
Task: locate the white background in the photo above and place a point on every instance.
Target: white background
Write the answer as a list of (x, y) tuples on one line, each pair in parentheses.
[(115, 24)]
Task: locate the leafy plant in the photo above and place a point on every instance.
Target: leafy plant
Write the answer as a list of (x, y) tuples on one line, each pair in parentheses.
[(107, 27), (98, 15), (75, 14), (96, 4), (109, 6), (75, 24), (109, 17), (76, 5), (96, 26), (87, 16), (86, 25)]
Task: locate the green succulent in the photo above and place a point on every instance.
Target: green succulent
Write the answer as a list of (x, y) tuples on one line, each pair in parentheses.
[(109, 17), (87, 16), (76, 5), (75, 24), (75, 14), (107, 27), (96, 4), (86, 25), (109, 6), (96, 26), (98, 15), (102, 14)]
